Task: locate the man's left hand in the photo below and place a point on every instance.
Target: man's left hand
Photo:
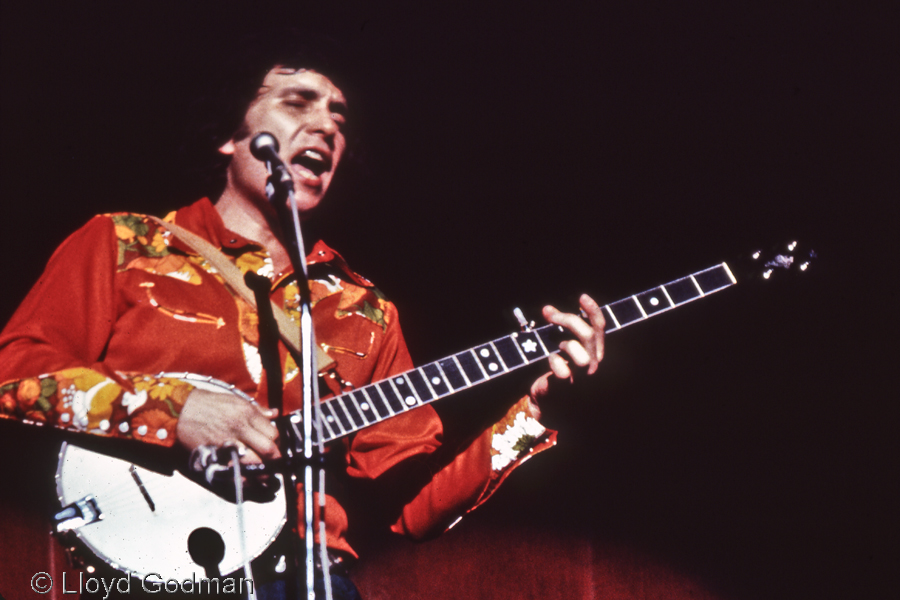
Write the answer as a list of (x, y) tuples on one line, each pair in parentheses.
[(586, 350)]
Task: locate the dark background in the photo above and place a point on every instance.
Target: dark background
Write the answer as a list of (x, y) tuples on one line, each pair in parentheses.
[(520, 153)]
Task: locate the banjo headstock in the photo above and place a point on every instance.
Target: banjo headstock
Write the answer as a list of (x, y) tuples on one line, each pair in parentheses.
[(777, 261)]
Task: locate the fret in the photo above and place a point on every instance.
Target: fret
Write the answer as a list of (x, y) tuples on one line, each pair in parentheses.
[(365, 406), (714, 279), (340, 424), (550, 336), (452, 373), (530, 346), (338, 409), (682, 290), (729, 273), (499, 358), (668, 297), (653, 302), (378, 402), (353, 410), (697, 285), (295, 422), (626, 311), (407, 393), (398, 394), (436, 379), (544, 336), (470, 366), (509, 353), (420, 384), (462, 371), (611, 322), (329, 423), (390, 395), (488, 359), (515, 342), (639, 307)]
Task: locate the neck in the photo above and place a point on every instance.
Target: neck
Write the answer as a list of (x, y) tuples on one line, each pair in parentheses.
[(245, 218)]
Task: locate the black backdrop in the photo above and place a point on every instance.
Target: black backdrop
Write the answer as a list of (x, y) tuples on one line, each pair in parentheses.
[(517, 154)]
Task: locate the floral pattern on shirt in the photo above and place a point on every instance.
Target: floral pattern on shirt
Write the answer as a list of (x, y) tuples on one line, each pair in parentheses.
[(83, 400), (515, 437), (138, 236)]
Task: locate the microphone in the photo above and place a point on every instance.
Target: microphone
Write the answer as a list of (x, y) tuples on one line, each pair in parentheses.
[(264, 147)]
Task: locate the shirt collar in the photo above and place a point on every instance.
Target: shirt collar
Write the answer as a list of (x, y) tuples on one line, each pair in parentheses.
[(202, 218)]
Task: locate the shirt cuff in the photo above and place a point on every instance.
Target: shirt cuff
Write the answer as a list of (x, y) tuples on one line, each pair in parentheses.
[(514, 439), (84, 400)]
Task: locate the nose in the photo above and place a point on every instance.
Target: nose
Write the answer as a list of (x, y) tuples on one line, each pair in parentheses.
[(324, 123)]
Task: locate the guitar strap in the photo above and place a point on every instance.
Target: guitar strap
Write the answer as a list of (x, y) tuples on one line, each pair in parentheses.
[(289, 331)]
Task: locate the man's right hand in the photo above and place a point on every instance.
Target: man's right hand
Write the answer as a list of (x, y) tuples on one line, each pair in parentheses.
[(214, 419)]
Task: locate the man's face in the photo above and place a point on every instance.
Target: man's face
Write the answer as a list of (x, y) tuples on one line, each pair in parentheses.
[(305, 112)]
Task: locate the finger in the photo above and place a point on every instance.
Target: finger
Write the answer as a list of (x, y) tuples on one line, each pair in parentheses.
[(250, 458), (260, 421), (541, 386), (577, 353), (260, 442), (593, 311), (589, 336), (560, 367), (261, 434), (572, 322)]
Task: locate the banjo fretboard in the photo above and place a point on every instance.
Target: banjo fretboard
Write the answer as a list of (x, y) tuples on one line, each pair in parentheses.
[(376, 402)]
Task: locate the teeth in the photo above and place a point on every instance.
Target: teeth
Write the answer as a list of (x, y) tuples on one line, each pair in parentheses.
[(313, 155)]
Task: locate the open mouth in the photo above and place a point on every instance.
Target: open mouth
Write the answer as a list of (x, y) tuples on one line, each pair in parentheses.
[(313, 161)]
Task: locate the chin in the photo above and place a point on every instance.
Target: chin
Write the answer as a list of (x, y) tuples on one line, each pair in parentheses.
[(305, 204)]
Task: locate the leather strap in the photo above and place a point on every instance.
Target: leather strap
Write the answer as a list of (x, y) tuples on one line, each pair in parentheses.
[(289, 331)]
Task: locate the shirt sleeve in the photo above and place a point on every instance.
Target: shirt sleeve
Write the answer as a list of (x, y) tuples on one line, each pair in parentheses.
[(51, 351), (450, 483)]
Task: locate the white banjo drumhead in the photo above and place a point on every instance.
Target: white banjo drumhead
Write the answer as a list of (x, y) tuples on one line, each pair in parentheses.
[(137, 539)]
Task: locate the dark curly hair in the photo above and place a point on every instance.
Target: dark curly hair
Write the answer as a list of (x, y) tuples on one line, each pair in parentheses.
[(232, 81)]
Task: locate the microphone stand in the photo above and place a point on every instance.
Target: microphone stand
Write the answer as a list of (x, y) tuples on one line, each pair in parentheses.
[(280, 190)]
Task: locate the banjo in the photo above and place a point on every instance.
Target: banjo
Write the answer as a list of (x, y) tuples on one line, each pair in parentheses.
[(139, 521)]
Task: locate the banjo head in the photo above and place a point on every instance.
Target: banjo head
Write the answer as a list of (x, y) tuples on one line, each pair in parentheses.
[(146, 517)]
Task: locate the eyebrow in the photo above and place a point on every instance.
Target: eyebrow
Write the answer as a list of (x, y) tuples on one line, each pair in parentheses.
[(338, 106)]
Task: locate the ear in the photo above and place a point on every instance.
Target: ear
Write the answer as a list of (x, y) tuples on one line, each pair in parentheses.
[(227, 148)]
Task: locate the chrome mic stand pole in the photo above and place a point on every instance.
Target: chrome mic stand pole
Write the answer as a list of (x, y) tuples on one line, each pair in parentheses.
[(280, 190)]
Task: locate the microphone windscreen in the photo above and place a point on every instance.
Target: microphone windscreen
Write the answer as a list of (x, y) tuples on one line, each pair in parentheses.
[(263, 146)]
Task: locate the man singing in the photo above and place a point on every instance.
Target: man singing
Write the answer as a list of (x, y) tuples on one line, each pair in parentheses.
[(124, 303)]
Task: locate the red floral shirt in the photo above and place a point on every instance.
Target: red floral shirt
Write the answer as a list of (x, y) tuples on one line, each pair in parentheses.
[(123, 304)]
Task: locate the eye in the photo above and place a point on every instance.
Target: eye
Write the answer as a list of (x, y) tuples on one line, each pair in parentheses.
[(300, 98), (339, 113)]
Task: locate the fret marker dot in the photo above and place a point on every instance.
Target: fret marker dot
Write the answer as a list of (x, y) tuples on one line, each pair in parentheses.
[(529, 346), (410, 400), (654, 301), (329, 418), (485, 352), (493, 367), (436, 380), (364, 406), (399, 381)]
